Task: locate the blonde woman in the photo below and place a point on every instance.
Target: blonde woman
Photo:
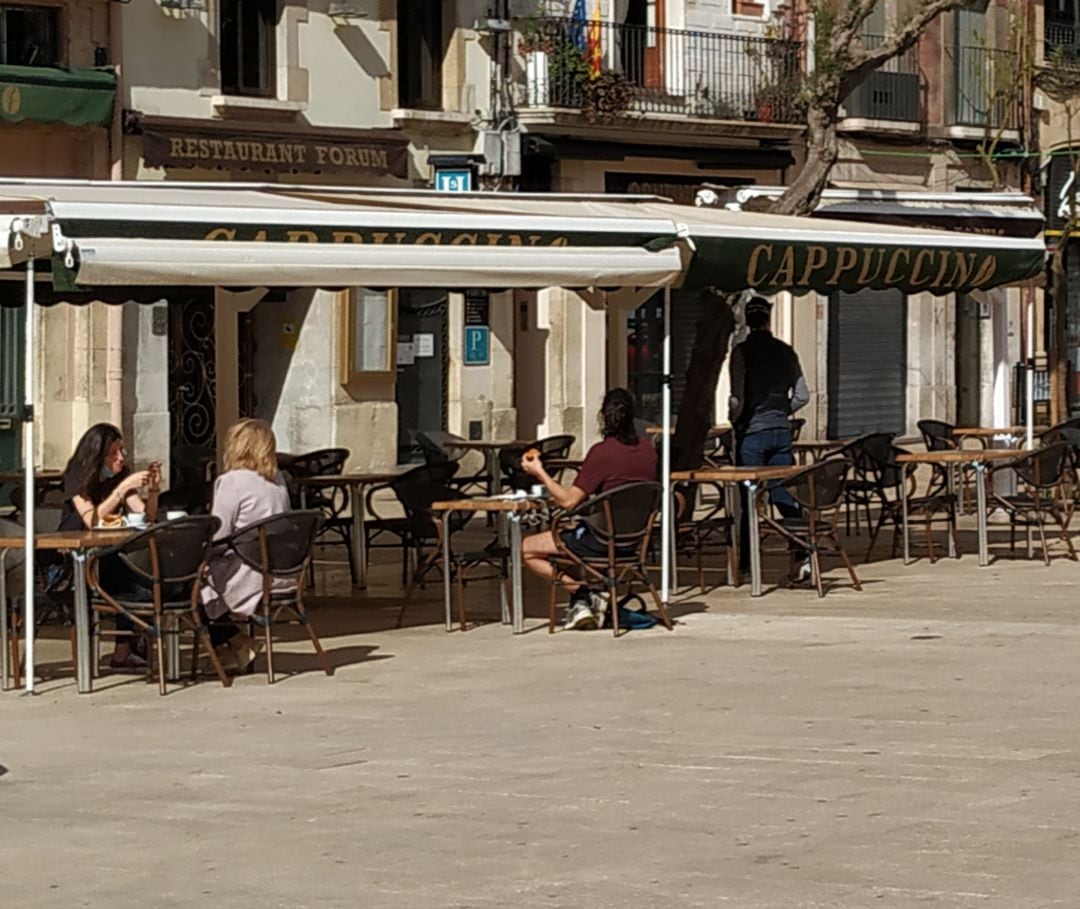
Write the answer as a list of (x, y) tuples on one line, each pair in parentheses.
[(249, 489)]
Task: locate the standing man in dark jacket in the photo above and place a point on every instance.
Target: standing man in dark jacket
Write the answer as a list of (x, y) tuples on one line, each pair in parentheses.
[(767, 387)]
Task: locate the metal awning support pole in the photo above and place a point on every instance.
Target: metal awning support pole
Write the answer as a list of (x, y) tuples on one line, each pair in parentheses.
[(1029, 373), (665, 457), (29, 500)]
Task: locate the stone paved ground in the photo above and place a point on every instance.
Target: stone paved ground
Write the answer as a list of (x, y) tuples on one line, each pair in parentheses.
[(915, 744)]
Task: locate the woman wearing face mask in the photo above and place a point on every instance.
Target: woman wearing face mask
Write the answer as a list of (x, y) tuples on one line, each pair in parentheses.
[(97, 487)]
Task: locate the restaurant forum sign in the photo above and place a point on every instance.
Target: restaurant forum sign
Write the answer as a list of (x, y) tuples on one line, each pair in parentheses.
[(281, 153)]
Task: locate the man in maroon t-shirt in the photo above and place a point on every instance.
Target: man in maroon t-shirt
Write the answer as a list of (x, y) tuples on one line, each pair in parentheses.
[(622, 457)]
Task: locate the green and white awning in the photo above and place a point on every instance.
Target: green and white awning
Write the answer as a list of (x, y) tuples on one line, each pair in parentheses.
[(49, 94), (126, 235), (738, 250)]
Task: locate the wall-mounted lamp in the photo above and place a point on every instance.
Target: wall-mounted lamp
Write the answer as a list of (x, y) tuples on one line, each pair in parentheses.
[(346, 11)]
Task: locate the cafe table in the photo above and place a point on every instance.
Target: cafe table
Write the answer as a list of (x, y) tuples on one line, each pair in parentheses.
[(731, 478), (357, 482), (490, 450), (808, 450), (979, 459), (79, 544), (984, 434), (510, 507)]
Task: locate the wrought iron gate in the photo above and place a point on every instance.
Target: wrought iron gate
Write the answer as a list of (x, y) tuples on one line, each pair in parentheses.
[(192, 379)]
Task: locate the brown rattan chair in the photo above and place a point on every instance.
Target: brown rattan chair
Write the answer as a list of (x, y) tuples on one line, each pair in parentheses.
[(621, 520), (819, 492), (168, 563), (280, 548), (1042, 474)]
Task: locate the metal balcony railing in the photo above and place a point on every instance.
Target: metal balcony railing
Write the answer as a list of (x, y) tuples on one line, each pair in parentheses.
[(660, 70), (891, 92), (985, 87), (1062, 42)]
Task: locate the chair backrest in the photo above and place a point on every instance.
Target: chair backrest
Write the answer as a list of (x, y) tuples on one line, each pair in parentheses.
[(1068, 434), (416, 489), (170, 553), (432, 449), (191, 465), (1044, 467), (820, 486), (867, 453), (279, 546), (938, 435), (624, 514), (326, 462), (797, 424), (555, 446)]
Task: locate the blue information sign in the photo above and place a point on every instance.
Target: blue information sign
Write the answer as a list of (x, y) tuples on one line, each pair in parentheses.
[(458, 180), (477, 345)]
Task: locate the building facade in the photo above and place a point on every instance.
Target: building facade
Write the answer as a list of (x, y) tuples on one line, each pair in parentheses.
[(661, 97)]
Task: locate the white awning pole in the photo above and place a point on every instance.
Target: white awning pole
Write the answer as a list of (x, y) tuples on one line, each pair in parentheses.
[(28, 476), (665, 457), (1029, 373)]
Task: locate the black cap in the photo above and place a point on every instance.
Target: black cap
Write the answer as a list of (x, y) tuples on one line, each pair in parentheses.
[(758, 304)]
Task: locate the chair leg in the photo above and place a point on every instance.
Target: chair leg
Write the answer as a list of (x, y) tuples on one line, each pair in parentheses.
[(1042, 538), (660, 607), (16, 660), (930, 540), (815, 569), (847, 562), (202, 633), (460, 598), (269, 638), (74, 651), (159, 647), (301, 612), (551, 608)]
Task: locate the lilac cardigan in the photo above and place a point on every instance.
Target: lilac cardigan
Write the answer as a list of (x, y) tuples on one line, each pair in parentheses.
[(241, 497)]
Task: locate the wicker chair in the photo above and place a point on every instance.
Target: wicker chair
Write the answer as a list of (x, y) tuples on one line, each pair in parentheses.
[(819, 492), (1042, 475), (621, 519), (169, 563), (331, 500), (280, 548)]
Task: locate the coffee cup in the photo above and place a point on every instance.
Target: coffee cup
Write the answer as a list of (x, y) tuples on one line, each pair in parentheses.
[(135, 519), (175, 515)]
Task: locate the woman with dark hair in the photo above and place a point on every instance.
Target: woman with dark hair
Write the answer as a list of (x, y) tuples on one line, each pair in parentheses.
[(621, 457), (98, 489)]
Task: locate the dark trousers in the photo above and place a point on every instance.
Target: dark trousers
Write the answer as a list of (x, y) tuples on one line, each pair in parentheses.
[(767, 448)]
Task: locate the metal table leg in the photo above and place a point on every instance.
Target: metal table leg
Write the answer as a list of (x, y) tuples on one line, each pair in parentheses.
[(951, 474), (82, 623), (444, 518), (5, 669), (517, 599), (755, 539), (359, 540), (172, 649), (980, 500), (904, 512), (733, 501)]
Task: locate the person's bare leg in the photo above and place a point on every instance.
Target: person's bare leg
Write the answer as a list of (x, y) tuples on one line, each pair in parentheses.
[(536, 550)]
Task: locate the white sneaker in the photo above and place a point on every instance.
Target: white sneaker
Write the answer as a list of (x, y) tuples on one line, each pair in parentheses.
[(599, 602), (804, 573), (579, 616)]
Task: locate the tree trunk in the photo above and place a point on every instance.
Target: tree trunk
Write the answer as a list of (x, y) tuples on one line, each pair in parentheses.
[(1058, 354), (802, 197), (712, 334)]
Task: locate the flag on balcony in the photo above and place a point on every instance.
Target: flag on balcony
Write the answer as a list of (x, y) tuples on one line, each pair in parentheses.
[(578, 22), (594, 53)]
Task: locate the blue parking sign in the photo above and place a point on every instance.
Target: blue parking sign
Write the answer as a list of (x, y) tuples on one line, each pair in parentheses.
[(477, 345), (454, 181)]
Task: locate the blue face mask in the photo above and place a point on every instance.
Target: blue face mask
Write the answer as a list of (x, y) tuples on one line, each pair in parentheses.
[(107, 473)]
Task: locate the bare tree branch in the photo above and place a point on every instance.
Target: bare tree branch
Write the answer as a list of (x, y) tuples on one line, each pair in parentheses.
[(865, 60)]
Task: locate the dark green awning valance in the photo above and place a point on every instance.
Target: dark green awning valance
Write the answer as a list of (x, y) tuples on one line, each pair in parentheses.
[(45, 94)]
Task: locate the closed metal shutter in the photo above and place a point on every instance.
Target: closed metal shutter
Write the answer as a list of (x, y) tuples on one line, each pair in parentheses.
[(867, 363)]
